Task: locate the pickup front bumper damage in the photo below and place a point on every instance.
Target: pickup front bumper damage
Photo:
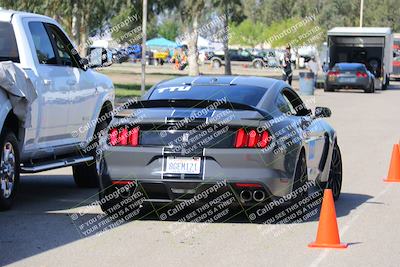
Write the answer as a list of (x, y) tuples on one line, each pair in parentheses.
[(20, 90)]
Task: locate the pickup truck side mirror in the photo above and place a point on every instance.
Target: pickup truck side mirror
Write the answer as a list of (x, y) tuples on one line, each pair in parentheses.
[(99, 57), (322, 112)]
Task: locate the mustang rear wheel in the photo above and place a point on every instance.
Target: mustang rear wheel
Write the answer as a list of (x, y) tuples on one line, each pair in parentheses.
[(87, 174), (300, 179), (335, 174)]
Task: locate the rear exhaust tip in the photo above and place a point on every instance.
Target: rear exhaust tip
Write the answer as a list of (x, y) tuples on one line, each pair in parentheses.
[(245, 195), (259, 195)]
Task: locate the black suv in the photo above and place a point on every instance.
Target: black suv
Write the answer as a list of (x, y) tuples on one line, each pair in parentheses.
[(217, 59)]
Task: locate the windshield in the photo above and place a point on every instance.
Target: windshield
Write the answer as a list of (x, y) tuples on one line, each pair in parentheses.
[(8, 44), (248, 95)]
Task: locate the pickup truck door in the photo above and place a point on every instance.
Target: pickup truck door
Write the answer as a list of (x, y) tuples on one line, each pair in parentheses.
[(53, 86), (83, 94)]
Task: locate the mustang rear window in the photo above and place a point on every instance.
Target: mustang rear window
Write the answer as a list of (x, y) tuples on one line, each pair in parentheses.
[(8, 44), (349, 67), (248, 95)]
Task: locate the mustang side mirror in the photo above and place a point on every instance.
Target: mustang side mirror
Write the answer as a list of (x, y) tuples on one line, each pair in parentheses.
[(322, 112)]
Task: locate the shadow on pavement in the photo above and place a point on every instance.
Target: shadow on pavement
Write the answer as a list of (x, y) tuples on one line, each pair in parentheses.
[(42, 218)]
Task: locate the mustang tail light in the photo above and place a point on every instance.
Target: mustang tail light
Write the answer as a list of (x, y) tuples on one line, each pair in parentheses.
[(124, 137), (134, 137), (113, 137), (333, 73), (251, 139), (241, 138), (361, 74)]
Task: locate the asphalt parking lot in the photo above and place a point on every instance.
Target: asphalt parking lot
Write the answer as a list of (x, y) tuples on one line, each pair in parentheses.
[(39, 229)]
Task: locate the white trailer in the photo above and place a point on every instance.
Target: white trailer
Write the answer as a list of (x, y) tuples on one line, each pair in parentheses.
[(396, 56), (371, 46)]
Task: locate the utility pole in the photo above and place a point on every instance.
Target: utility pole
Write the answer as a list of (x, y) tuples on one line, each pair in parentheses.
[(144, 38), (361, 12)]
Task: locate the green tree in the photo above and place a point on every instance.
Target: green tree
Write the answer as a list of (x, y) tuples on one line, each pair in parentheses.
[(231, 11), (168, 29), (294, 31), (190, 12), (384, 13), (79, 18), (339, 13), (124, 24), (247, 33)]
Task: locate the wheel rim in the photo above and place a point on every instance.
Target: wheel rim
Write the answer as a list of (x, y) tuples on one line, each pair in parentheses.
[(302, 177), (216, 64), (7, 178), (303, 171), (99, 161), (335, 175), (99, 152)]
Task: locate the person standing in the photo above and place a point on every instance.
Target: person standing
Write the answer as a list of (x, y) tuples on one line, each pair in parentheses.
[(287, 66)]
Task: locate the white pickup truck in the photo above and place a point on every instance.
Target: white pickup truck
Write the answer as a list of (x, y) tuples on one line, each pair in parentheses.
[(52, 106)]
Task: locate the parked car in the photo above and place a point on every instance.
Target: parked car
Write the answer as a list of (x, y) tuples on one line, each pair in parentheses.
[(205, 54), (350, 75), (237, 56), (269, 59), (119, 56), (191, 133), (53, 107)]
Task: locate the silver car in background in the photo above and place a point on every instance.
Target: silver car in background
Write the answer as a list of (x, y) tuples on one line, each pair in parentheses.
[(350, 76)]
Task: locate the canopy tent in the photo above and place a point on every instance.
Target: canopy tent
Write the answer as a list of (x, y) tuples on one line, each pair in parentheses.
[(161, 43), (203, 43)]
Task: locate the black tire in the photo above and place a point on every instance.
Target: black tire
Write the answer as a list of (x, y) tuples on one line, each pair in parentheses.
[(335, 174), (327, 88), (300, 179), (87, 174), (121, 201), (370, 89), (386, 84), (10, 162), (258, 64)]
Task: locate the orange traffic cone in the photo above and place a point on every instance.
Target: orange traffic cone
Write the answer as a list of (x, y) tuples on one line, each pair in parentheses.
[(394, 168), (328, 234)]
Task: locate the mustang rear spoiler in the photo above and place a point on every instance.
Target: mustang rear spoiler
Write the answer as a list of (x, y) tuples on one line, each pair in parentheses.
[(192, 103)]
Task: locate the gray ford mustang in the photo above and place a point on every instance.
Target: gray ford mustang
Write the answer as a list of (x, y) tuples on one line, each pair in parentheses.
[(250, 135)]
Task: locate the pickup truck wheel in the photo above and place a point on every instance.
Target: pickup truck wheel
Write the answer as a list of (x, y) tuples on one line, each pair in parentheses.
[(9, 169), (216, 64), (258, 64), (87, 174)]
